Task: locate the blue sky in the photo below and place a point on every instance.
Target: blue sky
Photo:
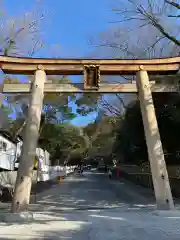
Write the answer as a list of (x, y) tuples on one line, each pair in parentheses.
[(70, 24)]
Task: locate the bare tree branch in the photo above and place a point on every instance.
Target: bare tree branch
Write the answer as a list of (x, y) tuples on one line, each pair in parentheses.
[(134, 40), (155, 22), (22, 33), (174, 4)]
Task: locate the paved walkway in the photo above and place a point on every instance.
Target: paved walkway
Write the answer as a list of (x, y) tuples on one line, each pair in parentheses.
[(94, 207)]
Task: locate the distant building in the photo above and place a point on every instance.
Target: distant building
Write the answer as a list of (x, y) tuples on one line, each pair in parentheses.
[(43, 157), (10, 151)]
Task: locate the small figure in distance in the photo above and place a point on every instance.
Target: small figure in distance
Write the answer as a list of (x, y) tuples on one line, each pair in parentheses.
[(110, 173), (81, 168)]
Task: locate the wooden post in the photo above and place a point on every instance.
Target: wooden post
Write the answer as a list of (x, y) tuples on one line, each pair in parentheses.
[(60, 179), (160, 178), (3, 116), (23, 184), (1, 95), (1, 99)]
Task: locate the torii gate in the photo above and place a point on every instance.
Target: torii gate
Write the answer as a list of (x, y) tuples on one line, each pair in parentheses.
[(91, 69)]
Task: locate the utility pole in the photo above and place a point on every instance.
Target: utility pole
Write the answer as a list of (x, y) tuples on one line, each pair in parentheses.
[(23, 184), (160, 177)]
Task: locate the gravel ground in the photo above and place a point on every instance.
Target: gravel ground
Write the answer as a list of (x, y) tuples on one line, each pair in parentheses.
[(94, 207)]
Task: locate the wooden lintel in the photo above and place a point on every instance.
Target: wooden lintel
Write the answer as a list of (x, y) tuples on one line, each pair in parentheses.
[(29, 69), (133, 69), (13, 65), (86, 61), (78, 88)]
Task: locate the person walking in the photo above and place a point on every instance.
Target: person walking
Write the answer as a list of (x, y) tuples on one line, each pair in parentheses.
[(81, 168), (118, 171), (110, 173)]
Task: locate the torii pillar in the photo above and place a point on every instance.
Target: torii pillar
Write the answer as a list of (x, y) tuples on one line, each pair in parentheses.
[(160, 177), (23, 184)]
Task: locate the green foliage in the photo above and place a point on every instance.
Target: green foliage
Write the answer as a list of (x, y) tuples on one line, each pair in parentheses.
[(87, 103), (62, 140), (130, 139), (101, 136)]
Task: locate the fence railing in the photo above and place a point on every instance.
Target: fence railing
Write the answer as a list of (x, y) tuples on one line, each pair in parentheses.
[(145, 179), (8, 178), (51, 172)]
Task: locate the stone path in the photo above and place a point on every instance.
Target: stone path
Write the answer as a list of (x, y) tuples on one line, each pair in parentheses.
[(93, 207)]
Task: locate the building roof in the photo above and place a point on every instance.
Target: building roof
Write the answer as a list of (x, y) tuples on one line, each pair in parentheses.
[(8, 136)]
